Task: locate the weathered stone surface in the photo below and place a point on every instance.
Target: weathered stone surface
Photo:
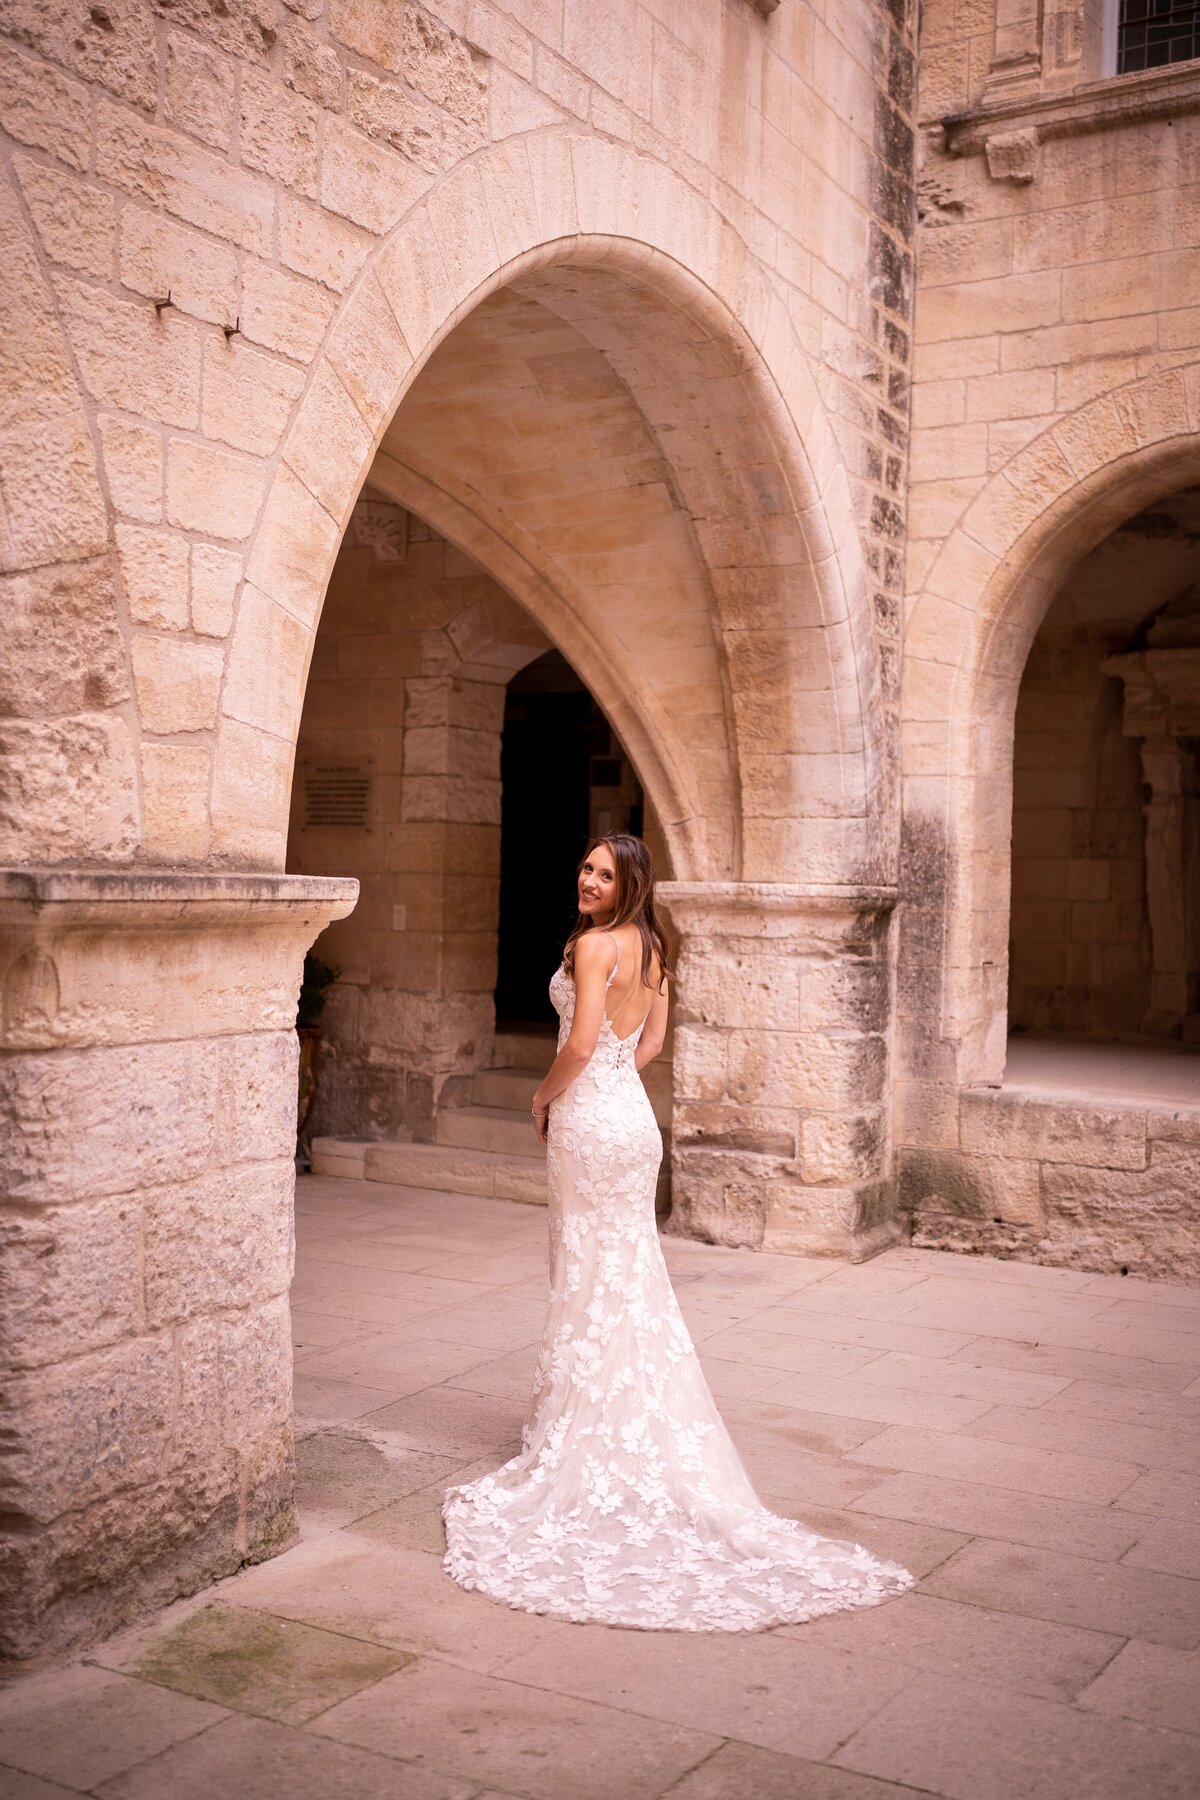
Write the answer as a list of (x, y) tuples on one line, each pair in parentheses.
[(159, 257), (212, 490), (199, 90), (64, 649), (67, 790), (1146, 1221), (77, 224), (133, 467), (175, 779), (41, 107), (243, 1256), (1052, 1131), (154, 575), (216, 575), (70, 1278), (248, 397), (177, 683)]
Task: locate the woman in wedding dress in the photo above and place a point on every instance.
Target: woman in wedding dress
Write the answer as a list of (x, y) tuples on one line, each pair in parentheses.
[(628, 1503)]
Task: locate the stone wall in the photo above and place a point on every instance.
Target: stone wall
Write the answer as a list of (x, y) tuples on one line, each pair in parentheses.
[(148, 1082), (232, 237), (407, 689), (1056, 395)]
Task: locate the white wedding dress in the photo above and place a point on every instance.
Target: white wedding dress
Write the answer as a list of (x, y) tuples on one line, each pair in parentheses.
[(628, 1503)]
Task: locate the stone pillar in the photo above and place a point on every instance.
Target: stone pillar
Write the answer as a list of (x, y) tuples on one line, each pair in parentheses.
[(1162, 708), (148, 1110), (783, 1005)]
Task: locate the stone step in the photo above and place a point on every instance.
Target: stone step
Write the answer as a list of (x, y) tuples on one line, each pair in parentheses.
[(503, 1129), (456, 1170), (445, 1167), (525, 1049), (511, 1088)]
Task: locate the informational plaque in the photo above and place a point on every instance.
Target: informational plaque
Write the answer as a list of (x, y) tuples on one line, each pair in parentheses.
[(337, 795)]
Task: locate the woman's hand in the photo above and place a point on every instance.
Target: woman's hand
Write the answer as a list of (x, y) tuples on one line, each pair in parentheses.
[(541, 1121)]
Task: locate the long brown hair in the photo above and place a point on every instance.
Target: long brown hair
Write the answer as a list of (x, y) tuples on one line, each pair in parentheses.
[(635, 903)]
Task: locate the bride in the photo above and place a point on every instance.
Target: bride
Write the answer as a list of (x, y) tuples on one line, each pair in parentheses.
[(628, 1503)]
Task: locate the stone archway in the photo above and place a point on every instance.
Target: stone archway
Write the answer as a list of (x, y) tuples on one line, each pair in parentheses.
[(797, 628), (969, 635)]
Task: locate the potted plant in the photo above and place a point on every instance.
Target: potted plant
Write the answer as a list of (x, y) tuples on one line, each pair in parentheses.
[(318, 977)]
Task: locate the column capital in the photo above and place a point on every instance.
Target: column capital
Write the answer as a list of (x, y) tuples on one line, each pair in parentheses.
[(99, 956), (772, 909)]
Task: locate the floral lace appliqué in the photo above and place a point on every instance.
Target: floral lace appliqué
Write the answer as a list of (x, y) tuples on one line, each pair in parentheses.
[(628, 1503)]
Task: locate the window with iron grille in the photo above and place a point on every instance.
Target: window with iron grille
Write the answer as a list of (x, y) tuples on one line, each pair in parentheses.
[(1151, 33)]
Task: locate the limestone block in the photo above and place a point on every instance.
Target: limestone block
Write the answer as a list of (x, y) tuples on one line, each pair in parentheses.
[(1143, 1220), (826, 1073), (159, 256), (68, 790), (329, 444), (82, 1430), (319, 245), (852, 1222), (701, 1071), (520, 1178), (215, 577), (266, 666), (212, 490), (842, 1149), (241, 1257), (293, 547), (1002, 1190), (116, 46), (845, 994), (63, 647), (177, 683), (247, 397), (368, 353), (719, 1125), (283, 312), (1005, 303), (70, 1142), (41, 107), (372, 27), (199, 91), (341, 1157), (175, 781), (365, 182), (411, 274), (731, 985), (167, 171), (251, 781), (387, 111), (133, 467), (154, 574), (1007, 1123), (442, 66), (131, 356), (278, 133), (75, 222), (247, 28), (70, 1280), (311, 67)]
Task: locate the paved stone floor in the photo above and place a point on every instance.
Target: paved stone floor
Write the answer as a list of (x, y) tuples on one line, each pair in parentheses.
[(1026, 1439)]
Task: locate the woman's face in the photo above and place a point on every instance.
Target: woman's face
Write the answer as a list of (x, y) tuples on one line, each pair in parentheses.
[(598, 883)]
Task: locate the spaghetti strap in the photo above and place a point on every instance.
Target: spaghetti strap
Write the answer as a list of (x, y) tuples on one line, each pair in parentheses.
[(615, 967)]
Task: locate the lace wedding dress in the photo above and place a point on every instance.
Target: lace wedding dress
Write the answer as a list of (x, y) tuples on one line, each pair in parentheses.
[(628, 1503)]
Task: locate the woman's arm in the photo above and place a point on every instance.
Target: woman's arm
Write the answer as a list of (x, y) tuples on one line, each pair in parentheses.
[(595, 955), (654, 1031)]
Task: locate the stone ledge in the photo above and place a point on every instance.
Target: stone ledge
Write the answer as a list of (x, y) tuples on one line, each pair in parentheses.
[(155, 896), (1097, 106), (770, 908)]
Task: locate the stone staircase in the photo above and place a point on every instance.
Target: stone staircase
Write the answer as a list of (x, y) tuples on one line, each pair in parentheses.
[(484, 1146)]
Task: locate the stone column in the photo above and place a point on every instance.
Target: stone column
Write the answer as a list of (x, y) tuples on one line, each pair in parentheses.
[(1162, 708), (148, 1110), (783, 1004)]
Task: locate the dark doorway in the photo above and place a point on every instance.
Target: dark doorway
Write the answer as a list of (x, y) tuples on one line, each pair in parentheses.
[(543, 833), (564, 777)]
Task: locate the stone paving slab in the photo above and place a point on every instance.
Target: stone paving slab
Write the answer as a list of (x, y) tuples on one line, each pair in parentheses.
[(1023, 1438)]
